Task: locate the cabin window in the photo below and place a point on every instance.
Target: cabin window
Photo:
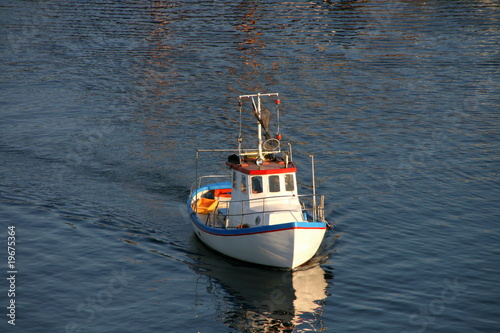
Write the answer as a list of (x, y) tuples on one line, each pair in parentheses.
[(274, 183), (243, 184), (234, 180), (289, 182), (256, 184)]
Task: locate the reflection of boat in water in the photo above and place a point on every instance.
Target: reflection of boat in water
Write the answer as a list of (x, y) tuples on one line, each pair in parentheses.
[(258, 216), (259, 299)]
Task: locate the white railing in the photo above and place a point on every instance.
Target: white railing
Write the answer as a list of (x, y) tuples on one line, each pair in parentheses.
[(308, 209), (314, 205), (200, 179)]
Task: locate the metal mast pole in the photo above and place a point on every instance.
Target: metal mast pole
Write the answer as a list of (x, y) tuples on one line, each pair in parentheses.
[(314, 189), (259, 128)]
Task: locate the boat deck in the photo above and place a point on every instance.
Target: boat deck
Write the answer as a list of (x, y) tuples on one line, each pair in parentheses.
[(214, 214)]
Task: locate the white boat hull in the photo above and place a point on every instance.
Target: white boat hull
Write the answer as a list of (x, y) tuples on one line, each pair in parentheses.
[(286, 245)]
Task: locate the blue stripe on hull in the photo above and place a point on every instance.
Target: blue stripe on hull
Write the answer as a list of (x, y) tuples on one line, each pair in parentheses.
[(256, 230)]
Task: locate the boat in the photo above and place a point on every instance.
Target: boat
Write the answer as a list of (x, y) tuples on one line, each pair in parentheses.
[(254, 213)]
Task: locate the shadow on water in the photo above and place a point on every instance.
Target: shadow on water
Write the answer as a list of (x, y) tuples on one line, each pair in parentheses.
[(253, 298)]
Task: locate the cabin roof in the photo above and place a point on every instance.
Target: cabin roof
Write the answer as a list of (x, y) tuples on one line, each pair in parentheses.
[(267, 168)]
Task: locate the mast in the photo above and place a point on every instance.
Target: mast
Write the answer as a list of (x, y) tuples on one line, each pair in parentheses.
[(259, 117), (259, 127)]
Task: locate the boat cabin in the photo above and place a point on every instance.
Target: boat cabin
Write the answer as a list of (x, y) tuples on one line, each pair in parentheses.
[(261, 187)]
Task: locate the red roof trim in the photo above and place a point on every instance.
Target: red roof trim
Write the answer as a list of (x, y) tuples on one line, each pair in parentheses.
[(261, 171)]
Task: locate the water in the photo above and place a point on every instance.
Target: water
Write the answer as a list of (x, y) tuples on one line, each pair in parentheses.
[(104, 102)]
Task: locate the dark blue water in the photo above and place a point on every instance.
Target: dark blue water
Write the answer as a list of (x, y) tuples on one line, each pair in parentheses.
[(102, 104)]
